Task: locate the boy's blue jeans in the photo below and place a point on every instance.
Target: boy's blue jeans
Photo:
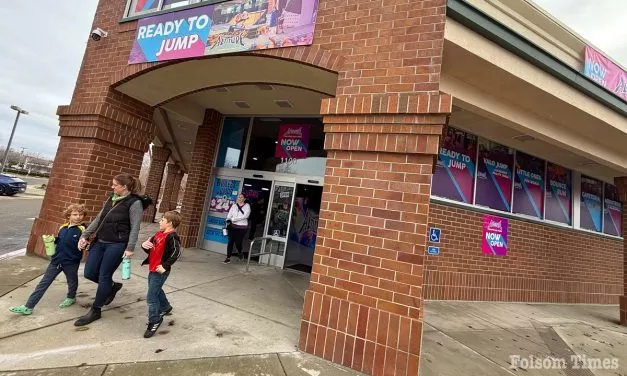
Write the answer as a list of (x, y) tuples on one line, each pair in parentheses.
[(71, 275), (156, 299)]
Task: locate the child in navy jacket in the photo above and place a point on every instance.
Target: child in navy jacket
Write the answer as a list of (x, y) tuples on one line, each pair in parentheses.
[(66, 259)]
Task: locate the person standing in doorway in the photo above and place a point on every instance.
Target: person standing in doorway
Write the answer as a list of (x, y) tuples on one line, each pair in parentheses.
[(116, 229), (237, 225)]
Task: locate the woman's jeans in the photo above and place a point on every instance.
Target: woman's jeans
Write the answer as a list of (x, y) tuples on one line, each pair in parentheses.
[(103, 260), (236, 236), (156, 299), (71, 275)]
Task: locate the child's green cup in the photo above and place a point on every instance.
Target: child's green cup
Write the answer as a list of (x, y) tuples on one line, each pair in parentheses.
[(51, 248)]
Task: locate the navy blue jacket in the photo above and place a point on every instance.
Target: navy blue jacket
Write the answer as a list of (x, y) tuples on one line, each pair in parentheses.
[(67, 245)]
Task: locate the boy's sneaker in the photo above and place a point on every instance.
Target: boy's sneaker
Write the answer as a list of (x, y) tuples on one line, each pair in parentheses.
[(226, 261), (22, 310), (166, 312), (152, 328), (67, 302), (114, 290)]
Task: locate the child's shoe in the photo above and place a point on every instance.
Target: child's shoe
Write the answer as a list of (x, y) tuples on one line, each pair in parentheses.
[(67, 302), (152, 328), (22, 310)]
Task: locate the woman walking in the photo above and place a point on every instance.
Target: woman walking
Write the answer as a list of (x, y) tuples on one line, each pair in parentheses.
[(116, 229), (237, 221)]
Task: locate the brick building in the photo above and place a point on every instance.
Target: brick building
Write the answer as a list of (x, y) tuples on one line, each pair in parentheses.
[(396, 150)]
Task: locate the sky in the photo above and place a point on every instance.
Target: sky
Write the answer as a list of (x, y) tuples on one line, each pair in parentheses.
[(43, 42)]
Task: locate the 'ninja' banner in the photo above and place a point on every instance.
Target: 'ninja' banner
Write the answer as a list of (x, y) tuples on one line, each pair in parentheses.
[(454, 175), (591, 196), (612, 212)]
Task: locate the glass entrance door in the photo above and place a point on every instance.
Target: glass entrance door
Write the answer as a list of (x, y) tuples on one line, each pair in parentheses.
[(303, 228), (257, 193), (282, 199)]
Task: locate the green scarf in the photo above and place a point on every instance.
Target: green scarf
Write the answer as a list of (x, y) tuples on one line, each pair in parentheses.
[(115, 198)]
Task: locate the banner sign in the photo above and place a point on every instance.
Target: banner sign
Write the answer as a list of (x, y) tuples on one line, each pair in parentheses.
[(494, 175), (223, 195), (558, 194), (494, 236), (146, 5), (612, 211), (224, 28), (293, 141), (455, 171), (591, 195), (529, 185), (304, 227), (604, 72)]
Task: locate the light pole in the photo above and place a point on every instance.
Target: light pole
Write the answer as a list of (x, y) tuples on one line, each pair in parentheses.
[(17, 117)]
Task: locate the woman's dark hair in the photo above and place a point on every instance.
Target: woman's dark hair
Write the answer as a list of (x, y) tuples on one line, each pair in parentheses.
[(131, 183)]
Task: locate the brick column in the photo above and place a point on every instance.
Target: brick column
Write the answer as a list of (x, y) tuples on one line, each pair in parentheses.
[(160, 156), (198, 177), (171, 172), (364, 305), (97, 142), (176, 189), (621, 184)]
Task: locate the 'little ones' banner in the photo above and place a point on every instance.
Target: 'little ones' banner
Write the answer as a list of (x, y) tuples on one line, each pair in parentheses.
[(455, 171), (293, 141), (605, 73), (612, 211), (591, 195), (224, 28), (494, 236), (494, 176), (558, 194), (529, 185)]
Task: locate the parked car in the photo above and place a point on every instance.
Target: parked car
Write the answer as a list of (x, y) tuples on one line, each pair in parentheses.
[(10, 185)]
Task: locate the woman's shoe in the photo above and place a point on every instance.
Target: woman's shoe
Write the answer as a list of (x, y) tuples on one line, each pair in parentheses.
[(22, 310)]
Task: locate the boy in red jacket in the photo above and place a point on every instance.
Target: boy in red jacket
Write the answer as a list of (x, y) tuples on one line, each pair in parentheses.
[(163, 249)]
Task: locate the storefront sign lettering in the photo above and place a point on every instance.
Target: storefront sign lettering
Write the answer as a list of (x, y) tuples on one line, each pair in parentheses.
[(494, 240)]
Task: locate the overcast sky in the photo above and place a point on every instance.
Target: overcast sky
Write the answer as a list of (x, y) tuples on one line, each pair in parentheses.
[(42, 44)]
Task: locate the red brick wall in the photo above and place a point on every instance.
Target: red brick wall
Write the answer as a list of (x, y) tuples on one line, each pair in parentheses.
[(166, 193), (198, 178), (160, 157), (543, 263), (621, 184)]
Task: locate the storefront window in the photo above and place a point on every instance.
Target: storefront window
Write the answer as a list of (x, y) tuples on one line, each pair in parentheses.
[(454, 177), (287, 145), (558, 204), (612, 211), (529, 186), (232, 142), (138, 7), (591, 197), (494, 175)]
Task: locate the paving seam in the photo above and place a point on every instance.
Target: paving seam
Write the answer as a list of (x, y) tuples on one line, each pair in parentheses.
[(281, 363), (560, 349)]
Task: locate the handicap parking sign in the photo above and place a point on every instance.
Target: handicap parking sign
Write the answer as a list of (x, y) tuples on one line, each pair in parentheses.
[(433, 250), (434, 234)]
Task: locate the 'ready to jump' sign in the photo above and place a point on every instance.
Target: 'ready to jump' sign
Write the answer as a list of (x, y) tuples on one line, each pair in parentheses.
[(494, 240)]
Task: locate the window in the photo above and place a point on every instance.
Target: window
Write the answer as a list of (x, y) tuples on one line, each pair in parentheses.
[(494, 175), (232, 142), (529, 186), (455, 173), (138, 7), (612, 211), (591, 197), (558, 196), (287, 145)]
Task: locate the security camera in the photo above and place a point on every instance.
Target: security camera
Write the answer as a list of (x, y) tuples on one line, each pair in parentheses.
[(98, 33)]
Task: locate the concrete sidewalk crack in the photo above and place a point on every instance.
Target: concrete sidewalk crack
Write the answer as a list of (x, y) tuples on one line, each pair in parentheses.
[(281, 363)]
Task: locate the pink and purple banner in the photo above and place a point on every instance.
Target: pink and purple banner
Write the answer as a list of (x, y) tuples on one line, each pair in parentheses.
[(591, 197), (529, 186), (455, 171), (558, 204), (604, 72), (612, 211), (494, 241), (223, 28), (293, 141), (494, 175)]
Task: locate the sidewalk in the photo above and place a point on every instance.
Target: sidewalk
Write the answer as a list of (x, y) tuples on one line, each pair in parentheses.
[(228, 322)]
